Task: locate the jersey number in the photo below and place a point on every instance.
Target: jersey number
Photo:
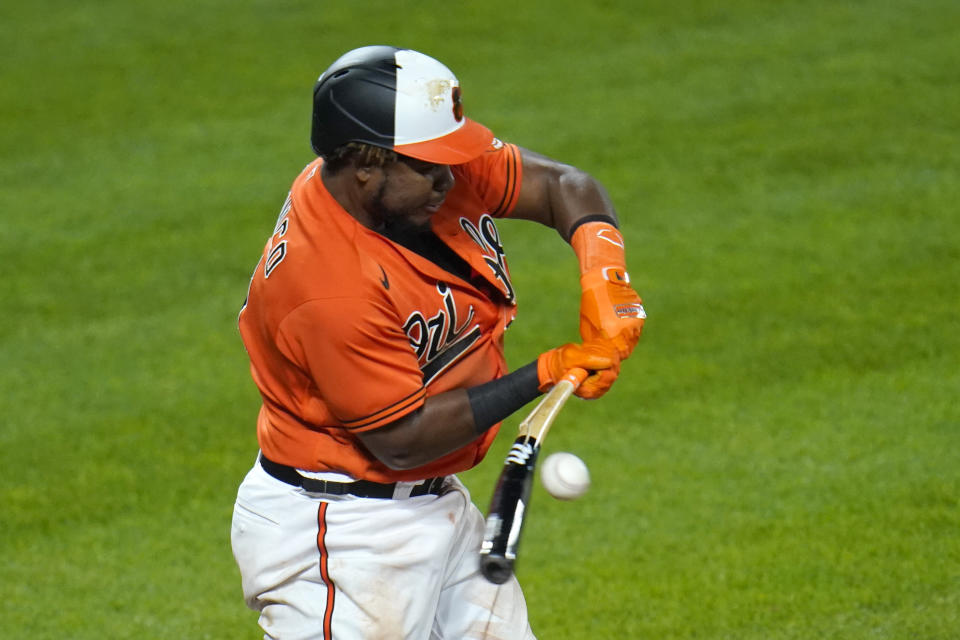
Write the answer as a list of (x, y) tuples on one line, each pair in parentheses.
[(278, 251)]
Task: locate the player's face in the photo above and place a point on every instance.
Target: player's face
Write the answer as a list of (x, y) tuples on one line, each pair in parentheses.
[(413, 190)]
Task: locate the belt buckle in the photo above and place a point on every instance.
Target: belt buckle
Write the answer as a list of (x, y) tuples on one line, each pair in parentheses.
[(430, 486), (402, 490)]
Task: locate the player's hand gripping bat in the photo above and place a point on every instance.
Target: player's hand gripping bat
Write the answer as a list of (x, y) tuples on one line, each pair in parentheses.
[(512, 494)]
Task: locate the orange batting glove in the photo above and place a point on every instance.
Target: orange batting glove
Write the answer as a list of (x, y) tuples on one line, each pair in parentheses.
[(609, 307), (599, 358)]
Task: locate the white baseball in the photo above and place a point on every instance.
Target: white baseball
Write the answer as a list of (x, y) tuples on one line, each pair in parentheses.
[(564, 476)]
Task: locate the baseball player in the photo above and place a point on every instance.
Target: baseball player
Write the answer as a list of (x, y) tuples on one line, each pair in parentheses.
[(374, 324)]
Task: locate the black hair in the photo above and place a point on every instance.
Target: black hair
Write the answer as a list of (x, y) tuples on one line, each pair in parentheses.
[(359, 154)]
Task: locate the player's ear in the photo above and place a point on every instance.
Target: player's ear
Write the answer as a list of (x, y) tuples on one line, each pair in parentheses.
[(362, 174), (367, 174), (369, 179)]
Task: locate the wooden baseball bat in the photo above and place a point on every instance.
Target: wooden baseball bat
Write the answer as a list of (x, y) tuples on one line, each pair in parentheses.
[(511, 498)]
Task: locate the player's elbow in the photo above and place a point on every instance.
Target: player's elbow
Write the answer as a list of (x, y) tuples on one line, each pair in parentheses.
[(400, 460), (443, 424), (396, 447)]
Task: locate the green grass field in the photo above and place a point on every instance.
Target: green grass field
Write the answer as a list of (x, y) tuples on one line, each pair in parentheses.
[(781, 456)]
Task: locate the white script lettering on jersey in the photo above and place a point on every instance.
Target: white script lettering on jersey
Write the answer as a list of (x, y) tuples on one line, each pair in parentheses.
[(440, 340), (487, 238)]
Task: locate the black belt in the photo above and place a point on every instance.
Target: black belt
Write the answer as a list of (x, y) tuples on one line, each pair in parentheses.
[(359, 488)]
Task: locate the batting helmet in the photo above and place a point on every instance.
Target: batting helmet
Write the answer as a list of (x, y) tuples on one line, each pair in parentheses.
[(397, 99)]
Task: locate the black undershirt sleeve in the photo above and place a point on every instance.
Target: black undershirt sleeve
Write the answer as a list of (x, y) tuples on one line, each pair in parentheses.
[(495, 400)]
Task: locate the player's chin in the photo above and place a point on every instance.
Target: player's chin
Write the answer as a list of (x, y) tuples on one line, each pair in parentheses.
[(413, 221), (421, 216), (429, 210)]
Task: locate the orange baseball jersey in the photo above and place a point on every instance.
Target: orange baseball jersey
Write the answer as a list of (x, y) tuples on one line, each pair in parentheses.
[(347, 330)]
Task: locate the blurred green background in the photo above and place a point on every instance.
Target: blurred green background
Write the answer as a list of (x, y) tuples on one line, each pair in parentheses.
[(780, 456)]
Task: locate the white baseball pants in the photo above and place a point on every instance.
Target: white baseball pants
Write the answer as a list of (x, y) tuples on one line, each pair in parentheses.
[(347, 568)]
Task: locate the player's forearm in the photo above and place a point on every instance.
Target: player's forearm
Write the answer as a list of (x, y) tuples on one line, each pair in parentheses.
[(451, 420), (443, 424)]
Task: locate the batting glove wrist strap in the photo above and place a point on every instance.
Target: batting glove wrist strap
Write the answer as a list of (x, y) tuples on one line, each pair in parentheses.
[(598, 244)]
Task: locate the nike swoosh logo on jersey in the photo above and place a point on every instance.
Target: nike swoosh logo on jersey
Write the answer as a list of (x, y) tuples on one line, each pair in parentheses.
[(385, 281)]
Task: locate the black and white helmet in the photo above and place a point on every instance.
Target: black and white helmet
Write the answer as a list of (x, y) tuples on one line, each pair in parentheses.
[(397, 99)]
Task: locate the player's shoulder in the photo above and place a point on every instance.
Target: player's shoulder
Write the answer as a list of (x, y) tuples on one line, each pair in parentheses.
[(493, 178), (499, 152), (344, 292), (315, 257), (340, 267), (310, 170)]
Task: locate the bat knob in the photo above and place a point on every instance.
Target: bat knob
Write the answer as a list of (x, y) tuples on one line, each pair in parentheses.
[(496, 569)]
